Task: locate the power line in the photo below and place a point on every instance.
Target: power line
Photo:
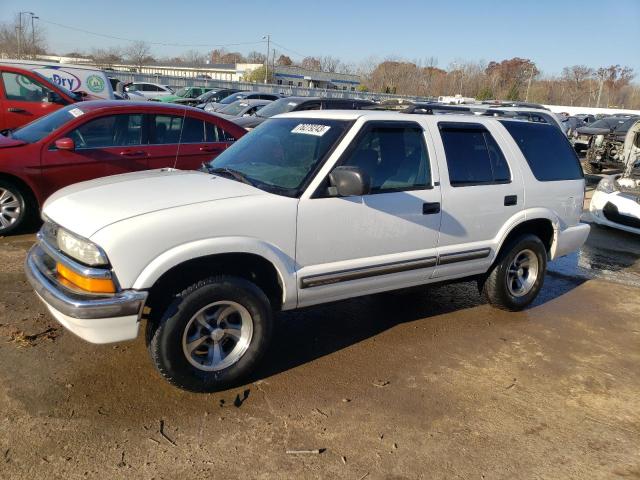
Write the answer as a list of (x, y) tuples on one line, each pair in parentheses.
[(288, 49), (163, 44)]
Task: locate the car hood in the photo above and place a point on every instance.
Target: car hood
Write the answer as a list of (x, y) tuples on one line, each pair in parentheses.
[(248, 122), (592, 131), (86, 207), (7, 142)]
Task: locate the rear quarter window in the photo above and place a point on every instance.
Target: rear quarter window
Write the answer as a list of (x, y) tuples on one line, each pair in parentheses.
[(546, 150)]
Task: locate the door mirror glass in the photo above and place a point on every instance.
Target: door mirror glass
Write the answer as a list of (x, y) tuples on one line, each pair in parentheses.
[(54, 97), (65, 144), (349, 181)]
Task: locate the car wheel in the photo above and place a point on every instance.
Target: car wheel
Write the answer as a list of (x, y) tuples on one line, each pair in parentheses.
[(14, 208), (212, 336), (518, 274)]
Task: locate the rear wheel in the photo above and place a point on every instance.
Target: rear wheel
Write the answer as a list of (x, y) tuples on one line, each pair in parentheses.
[(213, 335), (13, 207), (517, 276)]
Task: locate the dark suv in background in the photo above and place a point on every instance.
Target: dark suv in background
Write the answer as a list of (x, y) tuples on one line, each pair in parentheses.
[(296, 104)]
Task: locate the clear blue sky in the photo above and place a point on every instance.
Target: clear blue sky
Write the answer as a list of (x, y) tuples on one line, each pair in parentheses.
[(553, 33)]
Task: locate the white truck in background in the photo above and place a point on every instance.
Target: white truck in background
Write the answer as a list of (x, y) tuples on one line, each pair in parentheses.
[(75, 78)]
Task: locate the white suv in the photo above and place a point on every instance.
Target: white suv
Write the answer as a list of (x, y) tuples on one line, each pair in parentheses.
[(310, 207)]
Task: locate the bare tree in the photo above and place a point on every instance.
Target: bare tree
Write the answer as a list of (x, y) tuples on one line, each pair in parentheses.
[(138, 53), (256, 57), (26, 39), (107, 57), (194, 57)]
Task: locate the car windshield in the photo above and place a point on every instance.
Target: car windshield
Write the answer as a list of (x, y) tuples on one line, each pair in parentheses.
[(609, 122), (236, 108), (233, 98), (182, 92), (283, 105), (43, 126), (281, 154)]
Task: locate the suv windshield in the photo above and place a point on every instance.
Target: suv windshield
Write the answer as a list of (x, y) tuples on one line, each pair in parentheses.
[(40, 128), (281, 154), (233, 98), (283, 105), (182, 92)]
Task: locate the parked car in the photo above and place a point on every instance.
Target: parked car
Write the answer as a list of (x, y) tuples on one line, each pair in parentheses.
[(309, 208), (605, 146), (79, 79), (25, 95), (242, 108), (94, 139), (215, 106), (119, 93), (148, 90), (214, 95), (616, 201), (181, 93), (571, 123), (296, 104), (582, 137)]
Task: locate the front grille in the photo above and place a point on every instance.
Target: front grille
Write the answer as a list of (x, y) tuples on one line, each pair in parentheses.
[(612, 214)]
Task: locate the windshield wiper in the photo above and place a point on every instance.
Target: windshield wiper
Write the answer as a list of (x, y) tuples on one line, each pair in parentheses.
[(235, 174)]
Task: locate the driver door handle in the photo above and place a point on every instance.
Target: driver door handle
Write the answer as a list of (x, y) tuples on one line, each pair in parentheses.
[(16, 110)]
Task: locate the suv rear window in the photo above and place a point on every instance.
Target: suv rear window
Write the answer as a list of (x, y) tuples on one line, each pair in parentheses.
[(547, 151), (473, 156)]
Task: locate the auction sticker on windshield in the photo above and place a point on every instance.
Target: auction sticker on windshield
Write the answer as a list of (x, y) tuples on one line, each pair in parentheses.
[(76, 112), (311, 129)]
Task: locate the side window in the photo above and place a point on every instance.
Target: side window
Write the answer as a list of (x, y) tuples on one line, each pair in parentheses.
[(22, 88), (309, 106), (395, 158), (473, 156), (169, 129), (214, 133), (546, 150), (109, 131)]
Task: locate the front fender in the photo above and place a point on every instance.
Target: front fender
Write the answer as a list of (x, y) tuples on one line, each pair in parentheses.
[(284, 265)]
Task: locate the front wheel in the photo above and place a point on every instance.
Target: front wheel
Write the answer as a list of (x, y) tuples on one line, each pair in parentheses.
[(517, 276), (13, 208), (213, 335)]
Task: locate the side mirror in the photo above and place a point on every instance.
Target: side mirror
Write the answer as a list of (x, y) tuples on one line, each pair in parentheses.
[(54, 97), (350, 181), (65, 144)]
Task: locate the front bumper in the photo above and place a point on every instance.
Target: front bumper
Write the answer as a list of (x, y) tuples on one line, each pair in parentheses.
[(616, 210), (95, 318)]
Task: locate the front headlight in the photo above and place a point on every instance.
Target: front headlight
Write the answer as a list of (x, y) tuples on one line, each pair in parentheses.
[(606, 185), (80, 249)]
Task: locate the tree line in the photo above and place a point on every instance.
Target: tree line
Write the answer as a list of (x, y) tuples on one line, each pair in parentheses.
[(508, 79)]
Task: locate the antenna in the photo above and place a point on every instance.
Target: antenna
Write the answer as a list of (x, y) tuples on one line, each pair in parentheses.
[(184, 116)]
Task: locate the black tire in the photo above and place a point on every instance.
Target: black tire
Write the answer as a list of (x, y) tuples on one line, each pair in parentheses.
[(495, 288), (25, 206), (166, 336)]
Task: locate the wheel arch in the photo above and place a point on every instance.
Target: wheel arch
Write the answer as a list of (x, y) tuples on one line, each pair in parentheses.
[(543, 224), (25, 186)]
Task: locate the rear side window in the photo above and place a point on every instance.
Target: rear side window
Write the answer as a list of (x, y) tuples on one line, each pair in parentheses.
[(547, 151), (473, 156)]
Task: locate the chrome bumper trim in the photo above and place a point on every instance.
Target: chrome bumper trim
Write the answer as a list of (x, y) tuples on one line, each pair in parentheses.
[(127, 302)]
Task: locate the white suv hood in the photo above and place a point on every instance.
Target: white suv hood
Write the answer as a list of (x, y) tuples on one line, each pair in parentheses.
[(85, 208)]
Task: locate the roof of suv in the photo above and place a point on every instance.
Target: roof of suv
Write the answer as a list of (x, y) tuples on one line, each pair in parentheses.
[(378, 115)]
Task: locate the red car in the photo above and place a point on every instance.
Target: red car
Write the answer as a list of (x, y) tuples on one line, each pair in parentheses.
[(26, 95), (99, 138)]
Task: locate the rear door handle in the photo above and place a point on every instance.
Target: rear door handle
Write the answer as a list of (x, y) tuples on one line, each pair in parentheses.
[(133, 153), (430, 208), (210, 149), (16, 110), (510, 200)]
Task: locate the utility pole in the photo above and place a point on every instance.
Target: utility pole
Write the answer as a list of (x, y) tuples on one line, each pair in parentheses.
[(526, 97), (20, 30), (33, 36), (266, 60)]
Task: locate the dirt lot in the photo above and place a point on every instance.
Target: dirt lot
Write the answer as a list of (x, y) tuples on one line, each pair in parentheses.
[(426, 384)]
